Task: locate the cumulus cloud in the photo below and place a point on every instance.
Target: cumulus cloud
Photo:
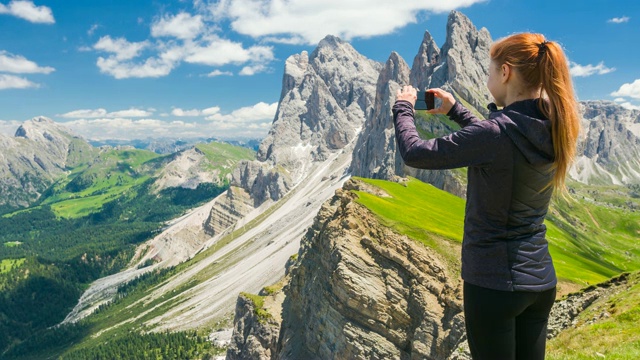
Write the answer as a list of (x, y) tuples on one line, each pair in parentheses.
[(15, 82), (126, 61), (20, 65), (129, 129), (588, 70), (619, 20), (100, 112), (195, 112), (261, 112), (152, 67), (629, 106), (180, 112), (308, 21), (182, 26), (631, 90), (120, 47), (27, 10), (217, 52)]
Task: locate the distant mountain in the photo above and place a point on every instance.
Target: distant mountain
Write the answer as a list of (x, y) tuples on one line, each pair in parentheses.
[(40, 152), (609, 147), (169, 146)]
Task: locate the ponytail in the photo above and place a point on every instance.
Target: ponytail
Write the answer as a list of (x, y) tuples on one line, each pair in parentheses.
[(543, 65)]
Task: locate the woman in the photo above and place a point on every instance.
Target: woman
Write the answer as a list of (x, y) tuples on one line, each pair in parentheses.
[(516, 159)]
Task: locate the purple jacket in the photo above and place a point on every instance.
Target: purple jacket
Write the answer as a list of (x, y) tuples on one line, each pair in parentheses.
[(510, 163)]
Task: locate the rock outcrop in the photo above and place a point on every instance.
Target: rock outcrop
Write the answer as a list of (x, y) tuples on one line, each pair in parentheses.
[(188, 169), (361, 291)]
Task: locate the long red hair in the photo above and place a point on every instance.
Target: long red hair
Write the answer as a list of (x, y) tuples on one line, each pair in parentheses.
[(542, 65)]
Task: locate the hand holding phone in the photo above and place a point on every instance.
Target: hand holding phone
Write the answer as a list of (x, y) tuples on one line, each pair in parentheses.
[(425, 101)]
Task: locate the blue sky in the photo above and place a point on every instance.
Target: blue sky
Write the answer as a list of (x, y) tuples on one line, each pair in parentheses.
[(124, 69)]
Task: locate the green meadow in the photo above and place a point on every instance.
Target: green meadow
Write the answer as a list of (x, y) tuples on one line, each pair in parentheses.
[(589, 241)]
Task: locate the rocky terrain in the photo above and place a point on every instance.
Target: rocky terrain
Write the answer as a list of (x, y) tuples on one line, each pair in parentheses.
[(359, 291)]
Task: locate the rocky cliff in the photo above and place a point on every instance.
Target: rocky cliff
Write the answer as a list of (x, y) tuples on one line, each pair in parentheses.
[(39, 153), (358, 291), (326, 96)]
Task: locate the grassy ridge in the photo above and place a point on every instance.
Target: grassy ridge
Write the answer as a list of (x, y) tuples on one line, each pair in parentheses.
[(584, 253), (608, 329)]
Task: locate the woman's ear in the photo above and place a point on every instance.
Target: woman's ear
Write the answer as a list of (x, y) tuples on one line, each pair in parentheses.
[(505, 73)]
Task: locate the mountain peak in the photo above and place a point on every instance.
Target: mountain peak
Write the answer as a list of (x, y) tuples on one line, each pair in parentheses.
[(42, 127)]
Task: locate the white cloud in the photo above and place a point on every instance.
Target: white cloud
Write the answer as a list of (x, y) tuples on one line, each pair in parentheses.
[(29, 11), (180, 112), (629, 90), (217, 72), (312, 20), (19, 65), (195, 112), (152, 67), (92, 29), (120, 47), (97, 113), (619, 99), (218, 52), (252, 70), (9, 127), (182, 26), (587, 70), (249, 122), (258, 113), (15, 82), (619, 20), (629, 106), (125, 62)]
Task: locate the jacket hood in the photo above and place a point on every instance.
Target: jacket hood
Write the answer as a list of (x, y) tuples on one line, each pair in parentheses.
[(528, 128)]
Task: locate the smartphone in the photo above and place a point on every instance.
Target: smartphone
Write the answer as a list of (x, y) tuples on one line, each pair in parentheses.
[(425, 101)]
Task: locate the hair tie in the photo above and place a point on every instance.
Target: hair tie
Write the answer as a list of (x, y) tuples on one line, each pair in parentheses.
[(542, 49)]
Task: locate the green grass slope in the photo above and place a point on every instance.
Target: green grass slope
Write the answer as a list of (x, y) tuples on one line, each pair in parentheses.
[(608, 329), (589, 241)]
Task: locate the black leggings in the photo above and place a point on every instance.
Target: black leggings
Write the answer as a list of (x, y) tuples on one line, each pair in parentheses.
[(506, 325)]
